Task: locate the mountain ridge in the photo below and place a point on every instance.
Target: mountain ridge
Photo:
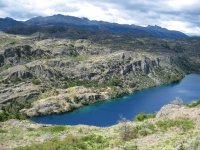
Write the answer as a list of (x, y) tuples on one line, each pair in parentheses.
[(85, 23)]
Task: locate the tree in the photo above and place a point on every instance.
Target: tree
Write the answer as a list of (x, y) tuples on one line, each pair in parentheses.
[(126, 131)]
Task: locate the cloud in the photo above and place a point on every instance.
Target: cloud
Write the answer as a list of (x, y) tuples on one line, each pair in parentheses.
[(182, 15)]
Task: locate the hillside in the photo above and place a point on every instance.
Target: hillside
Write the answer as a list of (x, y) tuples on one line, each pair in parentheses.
[(175, 126), (40, 76)]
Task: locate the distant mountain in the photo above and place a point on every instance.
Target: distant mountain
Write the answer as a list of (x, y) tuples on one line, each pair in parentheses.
[(84, 23), (9, 22), (164, 33)]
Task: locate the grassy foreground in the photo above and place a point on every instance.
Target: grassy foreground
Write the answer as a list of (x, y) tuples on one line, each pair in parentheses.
[(173, 127)]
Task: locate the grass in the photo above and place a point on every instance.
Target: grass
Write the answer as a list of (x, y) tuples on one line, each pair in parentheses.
[(89, 142), (142, 116), (181, 123), (146, 128), (53, 129)]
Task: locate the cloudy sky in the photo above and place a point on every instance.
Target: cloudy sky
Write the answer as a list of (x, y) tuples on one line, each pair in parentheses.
[(182, 15)]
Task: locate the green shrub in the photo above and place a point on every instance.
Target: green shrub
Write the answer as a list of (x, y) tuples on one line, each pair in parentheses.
[(142, 116), (12, 111), (8, 115), (113, 81), (86, 83), (2, 131), (194, 104), (144, 130), (36, 81)]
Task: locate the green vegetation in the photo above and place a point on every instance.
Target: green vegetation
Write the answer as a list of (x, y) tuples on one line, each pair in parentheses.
[(157, 133), (36, 81), (194, 104), (2, 131), (89, 142), (12, 111), (54, 129), (182, 123), (113, 81), (142, 116), (146, 128), (86, 83)]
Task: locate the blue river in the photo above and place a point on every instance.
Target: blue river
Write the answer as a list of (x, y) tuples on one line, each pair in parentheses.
[(109, 112)]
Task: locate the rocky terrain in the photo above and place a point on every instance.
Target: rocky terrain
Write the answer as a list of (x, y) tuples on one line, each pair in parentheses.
[(175, 126), (42, 75)]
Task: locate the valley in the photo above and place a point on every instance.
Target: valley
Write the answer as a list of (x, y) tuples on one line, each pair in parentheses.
[(56, 75), (60, 65)]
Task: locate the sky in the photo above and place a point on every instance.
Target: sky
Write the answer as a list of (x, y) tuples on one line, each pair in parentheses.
[(181, 15)]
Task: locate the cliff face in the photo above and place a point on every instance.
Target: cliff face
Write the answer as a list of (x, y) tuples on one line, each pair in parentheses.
[(43, 72), (174, 127)]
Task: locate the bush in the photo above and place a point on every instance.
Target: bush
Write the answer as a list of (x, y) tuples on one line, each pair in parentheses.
[(113, 81), (12, 111), (2, 131), (86, 83), (36, 81), (7, 115), (142, 116), (125, 130), (194, 104), (144, 129)]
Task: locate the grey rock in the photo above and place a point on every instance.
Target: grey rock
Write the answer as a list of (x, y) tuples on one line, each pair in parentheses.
[(1, 60)]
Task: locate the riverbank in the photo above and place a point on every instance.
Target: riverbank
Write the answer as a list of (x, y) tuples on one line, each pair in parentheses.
[(174, 127), (107, 113), (79, 96)]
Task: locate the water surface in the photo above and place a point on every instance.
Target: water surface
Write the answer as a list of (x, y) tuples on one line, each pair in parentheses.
[(109, 112)]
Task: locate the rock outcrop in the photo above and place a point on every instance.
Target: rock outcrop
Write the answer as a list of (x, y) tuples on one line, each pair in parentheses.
[(66, 101), (146, 65)]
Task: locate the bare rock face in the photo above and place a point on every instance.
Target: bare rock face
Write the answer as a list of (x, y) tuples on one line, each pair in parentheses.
[(39, 53), (17, 51), (147, 65), (41, 70), (16, 73), (23, 92), (23, 74), (167, 110), (1, 60)]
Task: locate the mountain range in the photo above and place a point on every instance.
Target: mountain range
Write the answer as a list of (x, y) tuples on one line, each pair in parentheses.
[(33, 25)]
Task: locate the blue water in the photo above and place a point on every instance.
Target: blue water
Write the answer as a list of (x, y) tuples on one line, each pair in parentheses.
[(109, 112)]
